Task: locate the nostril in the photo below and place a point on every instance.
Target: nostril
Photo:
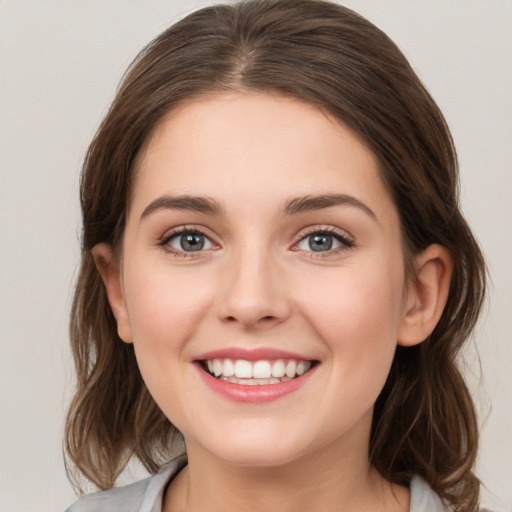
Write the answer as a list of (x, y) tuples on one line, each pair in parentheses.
[(265, 319)]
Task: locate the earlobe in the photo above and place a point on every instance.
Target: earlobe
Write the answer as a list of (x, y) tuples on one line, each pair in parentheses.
[(110, 271), (427, 295)]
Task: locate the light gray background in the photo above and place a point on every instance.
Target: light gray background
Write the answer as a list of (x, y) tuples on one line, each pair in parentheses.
[(60, 62)]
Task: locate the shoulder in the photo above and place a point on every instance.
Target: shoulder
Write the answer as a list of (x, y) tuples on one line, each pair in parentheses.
[(424, 499), (127, 499), (143, 496)]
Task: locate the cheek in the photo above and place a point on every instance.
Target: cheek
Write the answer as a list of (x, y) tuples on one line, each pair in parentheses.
[(164, 312), (357, 312), (162, 304), (356, 300)]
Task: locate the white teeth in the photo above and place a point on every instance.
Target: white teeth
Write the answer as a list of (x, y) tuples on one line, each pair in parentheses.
[(254, 382), (258, 372), (261, 370), (228, 368), (291, 368), (303, 367), (278, 369), (243, 369), (217, 367)]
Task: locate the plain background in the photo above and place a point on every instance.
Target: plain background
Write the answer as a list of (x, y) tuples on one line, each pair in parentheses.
[(60, 62)]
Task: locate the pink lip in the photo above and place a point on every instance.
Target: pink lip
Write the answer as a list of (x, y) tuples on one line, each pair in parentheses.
[(256, 354), (256, 393)]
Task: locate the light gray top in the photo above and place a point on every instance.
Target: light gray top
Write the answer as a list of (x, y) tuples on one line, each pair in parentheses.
[(147, 495)]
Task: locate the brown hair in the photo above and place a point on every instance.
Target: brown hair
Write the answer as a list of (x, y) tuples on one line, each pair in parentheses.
[(424, 420)]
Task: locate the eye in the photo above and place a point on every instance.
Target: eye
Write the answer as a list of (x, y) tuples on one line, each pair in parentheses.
[(323, 241), (186, 241)]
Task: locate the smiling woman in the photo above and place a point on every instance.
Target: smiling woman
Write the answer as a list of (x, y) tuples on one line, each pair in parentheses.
[(271, 283), (275, 269)]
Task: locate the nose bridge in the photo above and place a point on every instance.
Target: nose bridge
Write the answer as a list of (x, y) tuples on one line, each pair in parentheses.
[(254, 292)]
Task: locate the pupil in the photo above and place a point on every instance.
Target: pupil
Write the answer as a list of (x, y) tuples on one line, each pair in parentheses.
[(320, 242), (192, 242)]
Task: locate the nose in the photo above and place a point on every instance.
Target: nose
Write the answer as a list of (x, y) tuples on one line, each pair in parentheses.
[(254, 292)]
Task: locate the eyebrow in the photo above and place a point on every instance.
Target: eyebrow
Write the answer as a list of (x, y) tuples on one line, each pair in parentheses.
[(293, 206), (185, 202), (319, 202)]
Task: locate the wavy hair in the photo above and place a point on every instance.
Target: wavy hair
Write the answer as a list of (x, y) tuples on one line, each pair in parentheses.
[(328, 56)]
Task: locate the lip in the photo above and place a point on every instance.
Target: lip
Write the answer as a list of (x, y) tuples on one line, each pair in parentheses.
[(256, 354), (257, 393)]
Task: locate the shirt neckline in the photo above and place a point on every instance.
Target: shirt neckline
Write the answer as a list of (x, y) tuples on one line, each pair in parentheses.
[(423, 498)]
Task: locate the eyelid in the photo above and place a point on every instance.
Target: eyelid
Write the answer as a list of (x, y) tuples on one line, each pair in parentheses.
[(325, 228), (163, 241), (343, 237)]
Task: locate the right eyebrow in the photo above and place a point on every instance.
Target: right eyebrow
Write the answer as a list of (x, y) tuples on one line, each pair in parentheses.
[(184, 202), (319, 202)]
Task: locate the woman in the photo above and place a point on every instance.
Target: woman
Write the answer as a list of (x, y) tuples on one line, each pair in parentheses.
[(271, 226)]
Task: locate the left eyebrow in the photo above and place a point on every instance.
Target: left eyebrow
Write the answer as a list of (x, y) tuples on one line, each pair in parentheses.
[(185, 202), (319, 202)]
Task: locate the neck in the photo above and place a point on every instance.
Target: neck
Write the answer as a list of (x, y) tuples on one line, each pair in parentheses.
[(327, 481)]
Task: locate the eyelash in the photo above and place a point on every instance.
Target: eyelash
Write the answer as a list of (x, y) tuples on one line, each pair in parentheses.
[(164, 241), (346, 242)]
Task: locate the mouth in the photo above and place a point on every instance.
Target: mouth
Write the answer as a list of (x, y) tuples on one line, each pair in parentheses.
[(256, 373)]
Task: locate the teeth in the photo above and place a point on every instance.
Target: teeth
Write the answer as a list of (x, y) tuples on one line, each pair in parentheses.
[(290, 368), (278, 369), (258, 372), (243, 369), (217, 367), (262, 370), (254, 382), (228, 368)]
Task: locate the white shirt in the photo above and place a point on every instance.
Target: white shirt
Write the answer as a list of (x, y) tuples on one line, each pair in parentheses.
[(147, 495)]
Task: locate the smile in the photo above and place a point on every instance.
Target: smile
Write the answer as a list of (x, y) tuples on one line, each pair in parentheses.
[(253, 373)]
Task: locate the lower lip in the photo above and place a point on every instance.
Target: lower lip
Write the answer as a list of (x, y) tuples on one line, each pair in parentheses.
[(256, 393)]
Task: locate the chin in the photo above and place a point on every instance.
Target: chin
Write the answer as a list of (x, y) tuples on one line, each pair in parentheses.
[(257, 458), (261, 449)]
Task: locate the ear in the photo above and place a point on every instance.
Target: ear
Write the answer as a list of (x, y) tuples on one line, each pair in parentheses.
[(427, 295), (110, 271)]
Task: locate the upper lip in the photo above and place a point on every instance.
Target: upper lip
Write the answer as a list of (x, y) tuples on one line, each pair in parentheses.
[(254, 354)]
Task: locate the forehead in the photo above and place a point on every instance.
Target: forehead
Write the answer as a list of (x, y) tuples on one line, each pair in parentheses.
[(239, 146)]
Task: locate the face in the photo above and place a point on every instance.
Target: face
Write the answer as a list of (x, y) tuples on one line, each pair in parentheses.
[(262, 279)]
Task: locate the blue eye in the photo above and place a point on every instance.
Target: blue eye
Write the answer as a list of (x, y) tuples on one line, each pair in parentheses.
[(188, 241), (323, 241)]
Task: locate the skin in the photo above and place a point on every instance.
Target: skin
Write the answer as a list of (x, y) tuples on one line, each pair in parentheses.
[(257, 283)]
